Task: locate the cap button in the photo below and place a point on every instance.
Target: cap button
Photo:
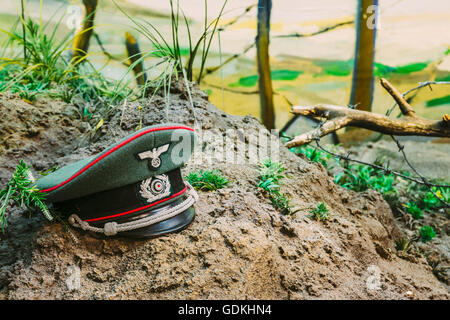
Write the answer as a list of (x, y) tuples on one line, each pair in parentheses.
[(110, 228)]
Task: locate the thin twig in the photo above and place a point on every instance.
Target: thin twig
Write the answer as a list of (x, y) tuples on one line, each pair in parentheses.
[(425, 84), (231, 58), (421, 85), (236, 19), (405, 126), (246, 92), (230, 90), (123, 112), (405, 107), (303, 35), (106, 53)]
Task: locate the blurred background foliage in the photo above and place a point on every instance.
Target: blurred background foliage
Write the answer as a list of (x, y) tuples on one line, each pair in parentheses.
[(412, 45)]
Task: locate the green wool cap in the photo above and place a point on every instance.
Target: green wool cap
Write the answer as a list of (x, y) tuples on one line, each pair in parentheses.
[(133, 188), (130, 160)]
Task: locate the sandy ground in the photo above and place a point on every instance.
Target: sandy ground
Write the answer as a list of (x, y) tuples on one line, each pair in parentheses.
[(238, 247)]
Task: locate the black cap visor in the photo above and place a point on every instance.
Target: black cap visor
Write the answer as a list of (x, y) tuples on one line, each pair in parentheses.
[(173, 224)]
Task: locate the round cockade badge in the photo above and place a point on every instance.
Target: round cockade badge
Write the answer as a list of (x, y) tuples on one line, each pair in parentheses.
[(155, 188)]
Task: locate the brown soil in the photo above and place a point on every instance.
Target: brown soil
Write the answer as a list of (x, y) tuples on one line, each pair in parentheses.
[(238, 247)]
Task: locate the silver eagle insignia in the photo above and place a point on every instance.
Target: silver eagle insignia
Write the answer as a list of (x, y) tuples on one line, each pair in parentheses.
[(154, 155)]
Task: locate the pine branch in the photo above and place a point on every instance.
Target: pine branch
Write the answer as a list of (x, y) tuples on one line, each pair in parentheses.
[(22, 191)]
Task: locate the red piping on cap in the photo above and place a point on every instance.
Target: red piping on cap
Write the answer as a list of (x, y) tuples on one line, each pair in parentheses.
[(138, 209), (112, 150)]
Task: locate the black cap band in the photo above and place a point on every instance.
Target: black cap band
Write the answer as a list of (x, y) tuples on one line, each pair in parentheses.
[(124, 203)]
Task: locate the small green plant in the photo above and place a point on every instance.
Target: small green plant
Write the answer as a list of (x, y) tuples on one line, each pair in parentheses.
[(414, 210), (270, 174), (320, 212), (434, 199), (22, 191), (394, 189), (362, 177), (281, 202), (403, 244), (313, 154), (427, 233), (207, 180), (430, 201), (357, 180)]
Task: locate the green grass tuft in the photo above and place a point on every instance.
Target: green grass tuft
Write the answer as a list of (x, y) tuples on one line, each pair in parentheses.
[(48, 70), (313, 154), (207, 180), (403, 244), (168, 47), (361, 177), (320, 213)]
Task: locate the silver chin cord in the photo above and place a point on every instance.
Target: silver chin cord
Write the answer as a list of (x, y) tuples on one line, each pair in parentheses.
[(112, 228)]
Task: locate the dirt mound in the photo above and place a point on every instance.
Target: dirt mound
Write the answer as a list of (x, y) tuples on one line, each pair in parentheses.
[(40, 132), (238, 247)]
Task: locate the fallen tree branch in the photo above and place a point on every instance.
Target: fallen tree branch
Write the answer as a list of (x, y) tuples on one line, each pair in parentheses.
[(406, 126), (404, 106), (409, 125), (323, 130), (421, 85)]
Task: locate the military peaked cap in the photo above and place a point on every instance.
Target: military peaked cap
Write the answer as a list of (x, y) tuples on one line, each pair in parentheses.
[(134, 187)]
